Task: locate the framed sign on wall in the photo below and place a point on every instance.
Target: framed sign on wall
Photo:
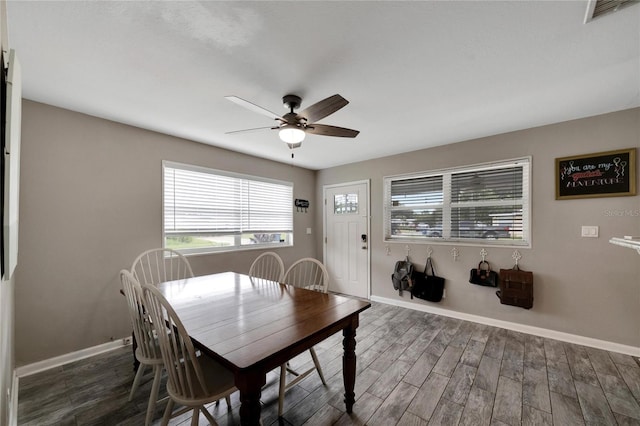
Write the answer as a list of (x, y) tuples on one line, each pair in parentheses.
[(602, 174)]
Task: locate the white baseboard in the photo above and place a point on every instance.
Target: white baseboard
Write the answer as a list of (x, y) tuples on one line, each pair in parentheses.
[(36, 367), (536, 331)]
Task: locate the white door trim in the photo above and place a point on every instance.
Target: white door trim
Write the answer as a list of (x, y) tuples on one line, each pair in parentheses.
[(367, 183)]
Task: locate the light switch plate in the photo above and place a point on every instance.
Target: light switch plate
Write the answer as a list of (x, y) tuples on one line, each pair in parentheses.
[(308, 231), (590, 231)]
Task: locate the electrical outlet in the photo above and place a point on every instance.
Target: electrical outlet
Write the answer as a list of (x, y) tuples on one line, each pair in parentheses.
[(126, 341), (444, 293), (590, 231)]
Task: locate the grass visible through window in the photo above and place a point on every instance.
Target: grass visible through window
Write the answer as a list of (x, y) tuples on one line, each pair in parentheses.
[(177, 243)]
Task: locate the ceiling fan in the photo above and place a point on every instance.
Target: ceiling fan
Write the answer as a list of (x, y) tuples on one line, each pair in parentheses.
[(294, 126)]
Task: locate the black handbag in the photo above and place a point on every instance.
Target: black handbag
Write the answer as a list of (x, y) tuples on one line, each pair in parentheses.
[(483, 275), (425, 286)]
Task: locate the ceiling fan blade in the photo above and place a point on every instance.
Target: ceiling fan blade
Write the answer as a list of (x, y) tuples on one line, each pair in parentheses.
[(253, 107), (325, 107), (251, 130), (325, 130)]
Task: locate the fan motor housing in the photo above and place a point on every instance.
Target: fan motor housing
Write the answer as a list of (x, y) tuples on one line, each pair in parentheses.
[(291, 102)]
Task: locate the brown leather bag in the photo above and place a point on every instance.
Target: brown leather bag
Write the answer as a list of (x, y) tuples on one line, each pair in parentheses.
[(516, 288)]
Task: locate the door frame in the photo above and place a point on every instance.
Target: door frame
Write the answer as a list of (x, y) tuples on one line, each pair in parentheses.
[(367, 183)]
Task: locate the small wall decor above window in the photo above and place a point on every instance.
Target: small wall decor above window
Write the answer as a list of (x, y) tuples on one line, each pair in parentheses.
[(208, 210), (480, 204), (603, 174)]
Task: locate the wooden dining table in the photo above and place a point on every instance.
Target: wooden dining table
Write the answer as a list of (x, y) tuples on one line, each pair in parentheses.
[(252, 326)]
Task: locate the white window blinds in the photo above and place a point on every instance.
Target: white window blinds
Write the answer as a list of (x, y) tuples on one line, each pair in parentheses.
[(200, 201), (481, 202)]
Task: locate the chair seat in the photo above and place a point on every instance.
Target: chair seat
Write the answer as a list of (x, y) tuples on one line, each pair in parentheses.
[(140, 356), (219, 380)]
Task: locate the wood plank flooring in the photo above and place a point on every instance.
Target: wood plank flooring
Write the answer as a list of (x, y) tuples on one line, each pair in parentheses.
[(413, 369)]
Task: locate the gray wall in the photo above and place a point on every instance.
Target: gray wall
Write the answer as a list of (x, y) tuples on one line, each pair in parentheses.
[(90, 203), (583, 286)]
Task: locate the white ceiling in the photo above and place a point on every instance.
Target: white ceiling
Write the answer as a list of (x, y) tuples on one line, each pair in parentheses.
[(417, 74)]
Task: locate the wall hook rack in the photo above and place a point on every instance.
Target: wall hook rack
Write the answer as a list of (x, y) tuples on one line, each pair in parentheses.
[(301, 205), (484, 254), (388, 249), (455, 253), (516, 256), (407, 249), (429, 251)]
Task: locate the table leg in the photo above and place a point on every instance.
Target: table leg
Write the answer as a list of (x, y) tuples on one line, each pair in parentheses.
[(250, 385), (349, 363)]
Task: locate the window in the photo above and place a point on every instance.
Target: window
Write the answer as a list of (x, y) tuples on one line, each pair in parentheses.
[(209, 210), (345, 203), (487, 203)]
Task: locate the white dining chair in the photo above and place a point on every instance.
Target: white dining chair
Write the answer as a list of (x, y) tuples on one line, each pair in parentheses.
[(159, 265), (193, 380), (148, 352), (267, 266), (311, 274), (308, 273)]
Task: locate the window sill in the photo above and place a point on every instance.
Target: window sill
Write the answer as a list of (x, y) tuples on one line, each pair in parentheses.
[(464, 243)]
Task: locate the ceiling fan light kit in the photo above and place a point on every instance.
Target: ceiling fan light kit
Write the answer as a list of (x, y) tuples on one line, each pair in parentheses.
[(294, 146), (292, 126), (292, 135)]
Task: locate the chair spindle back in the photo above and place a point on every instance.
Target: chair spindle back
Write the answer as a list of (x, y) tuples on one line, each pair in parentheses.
[(308, 273), (159, 265), (268, 266)]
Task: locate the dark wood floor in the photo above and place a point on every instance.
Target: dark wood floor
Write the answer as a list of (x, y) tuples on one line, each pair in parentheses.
[(413, 369)]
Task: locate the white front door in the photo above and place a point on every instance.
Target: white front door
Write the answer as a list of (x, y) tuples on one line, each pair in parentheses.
[(347, 238)]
